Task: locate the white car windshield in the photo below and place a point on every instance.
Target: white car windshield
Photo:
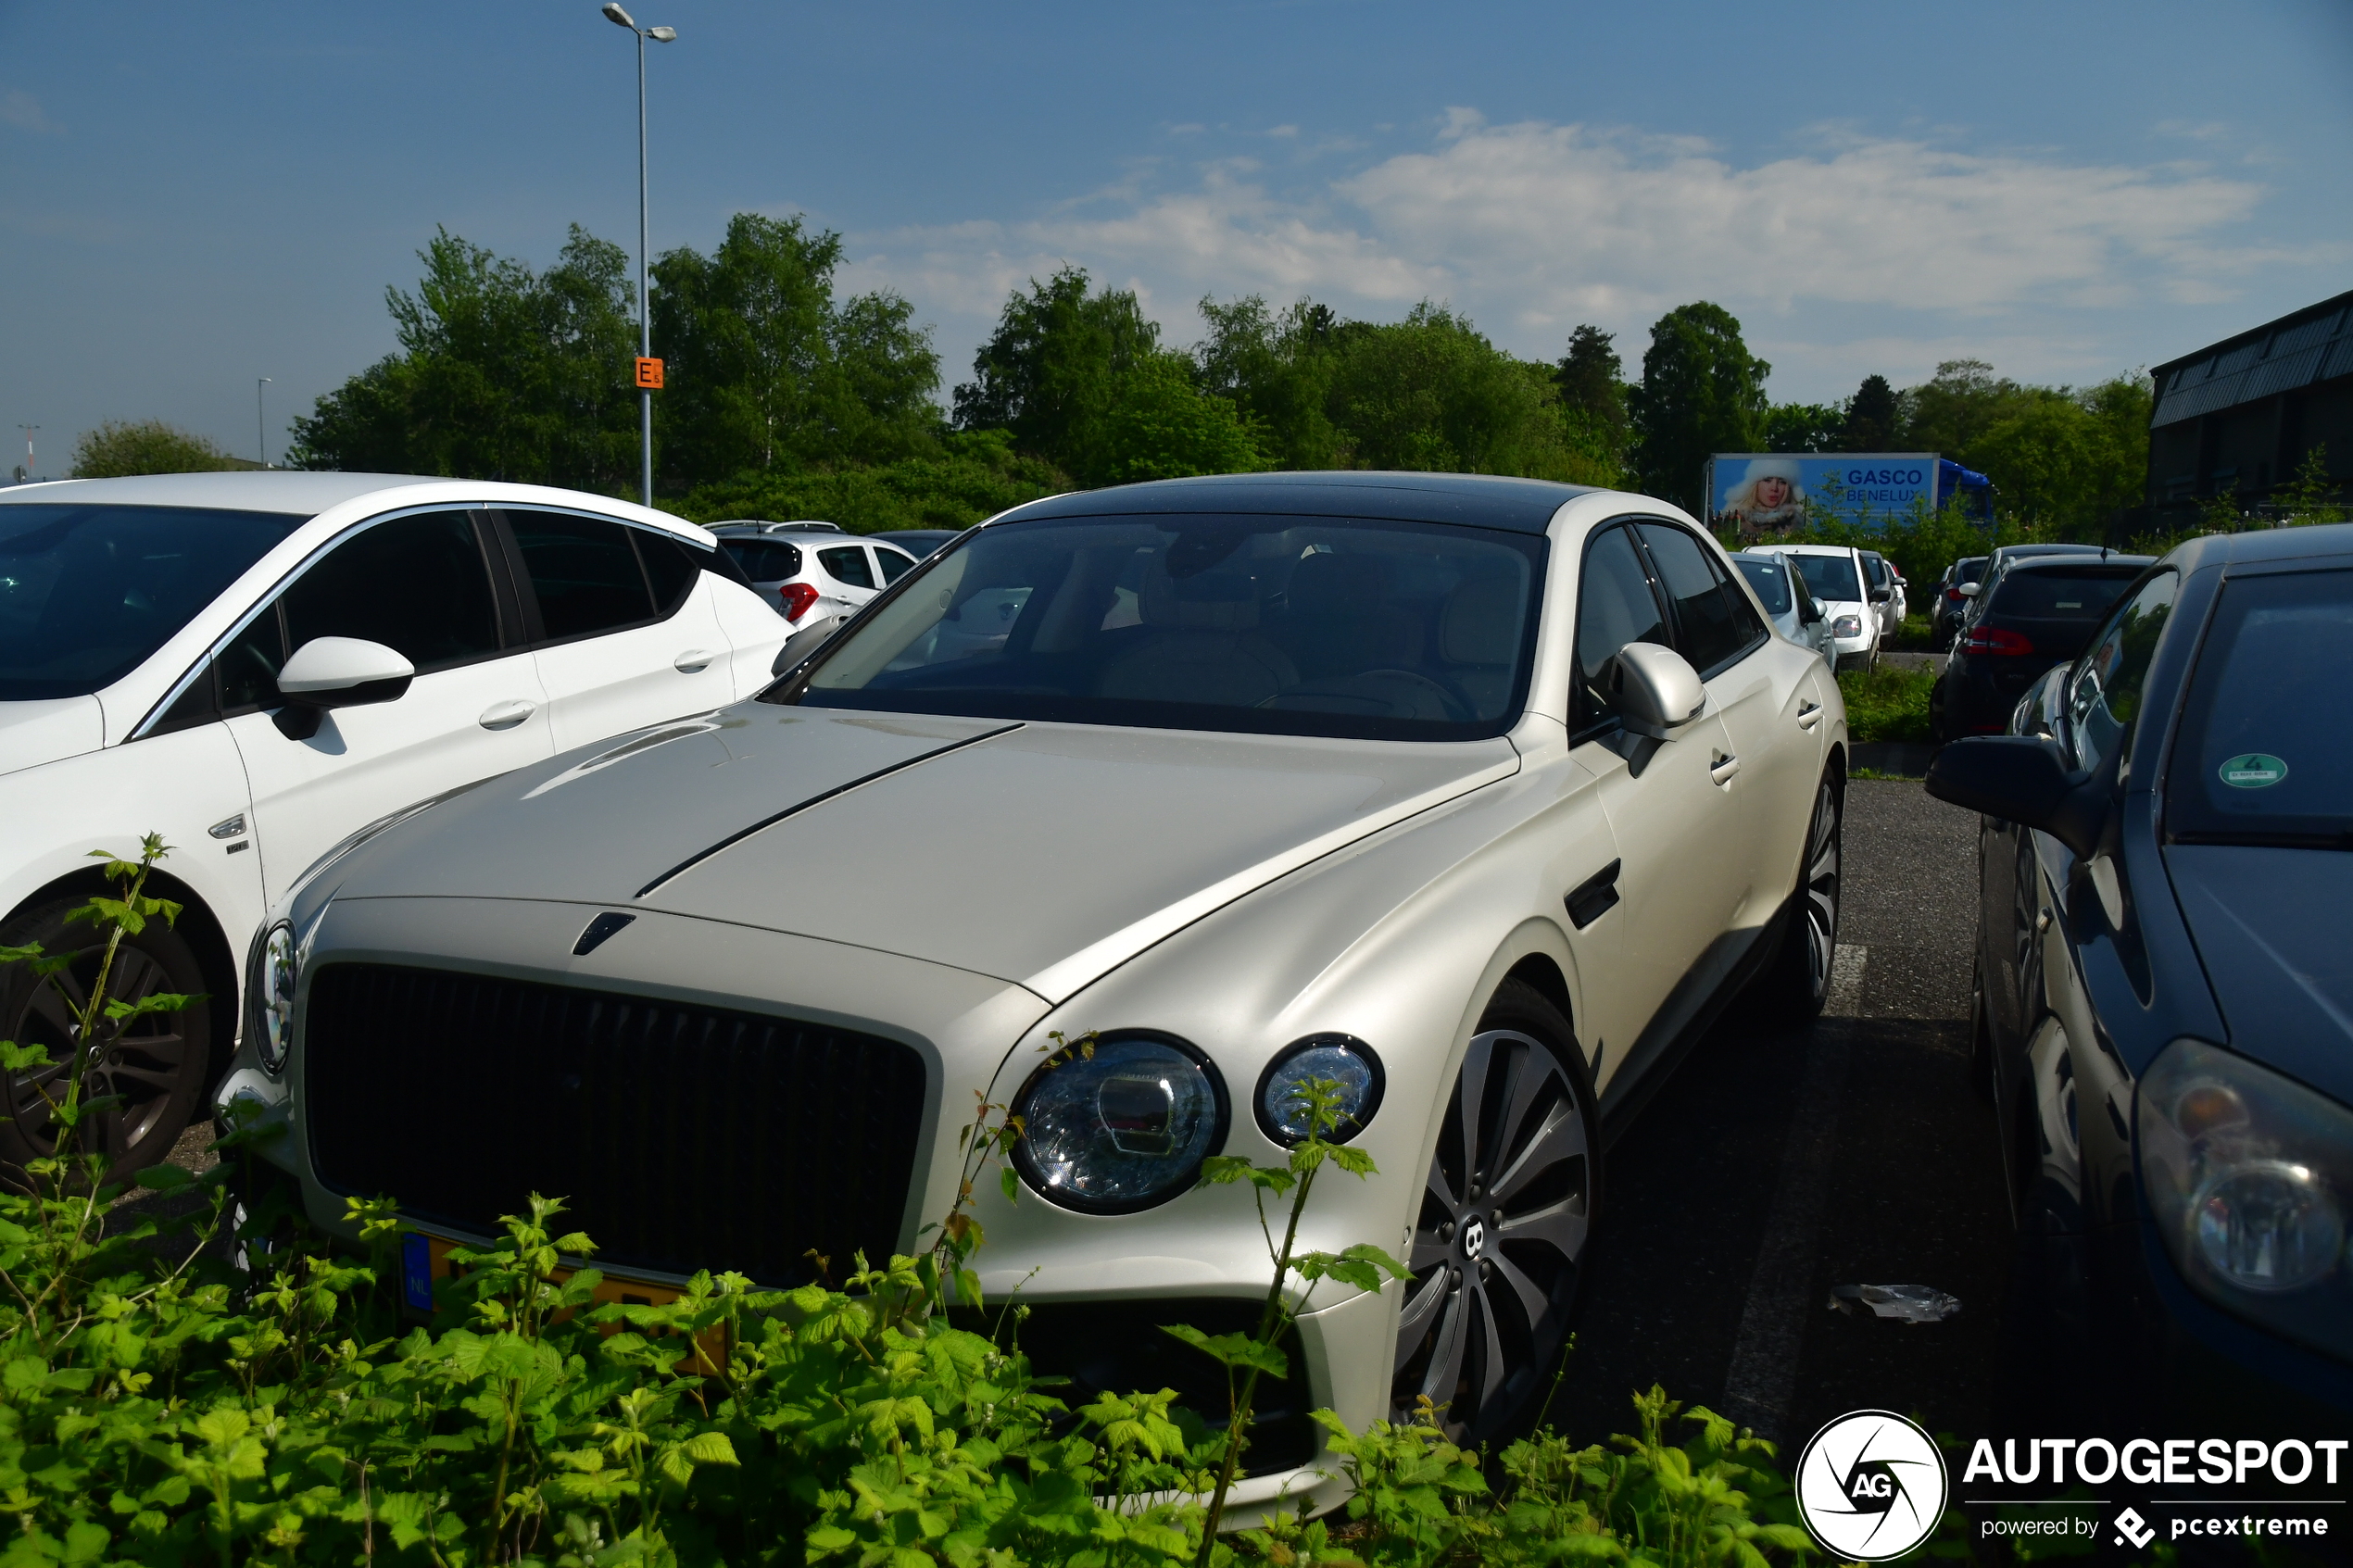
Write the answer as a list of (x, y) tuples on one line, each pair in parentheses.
[(1285, 625), (88, 591), (1830, 577)]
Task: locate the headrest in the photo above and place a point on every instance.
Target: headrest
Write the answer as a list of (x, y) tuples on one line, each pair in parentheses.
[(1211, 602), (1481, 622)]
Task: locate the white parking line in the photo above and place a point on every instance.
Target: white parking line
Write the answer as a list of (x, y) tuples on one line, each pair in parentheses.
[(1763, 1374)]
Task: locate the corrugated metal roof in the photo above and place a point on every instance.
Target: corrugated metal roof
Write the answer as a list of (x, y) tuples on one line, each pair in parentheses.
[(2257, 367)]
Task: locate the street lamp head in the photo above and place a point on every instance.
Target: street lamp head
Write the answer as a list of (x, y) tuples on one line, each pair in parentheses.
[(619, 18), (662, 34)]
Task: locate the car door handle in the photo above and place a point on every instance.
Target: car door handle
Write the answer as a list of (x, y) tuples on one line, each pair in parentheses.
[(692, 660), (1724, 768), (507, 715), (1810, 715)]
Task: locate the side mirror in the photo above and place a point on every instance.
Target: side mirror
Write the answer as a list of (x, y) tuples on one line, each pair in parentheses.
[(1813, 614), (2022, 778), (1657, 690), (804, 643), (1968, 590), (337, 673), (1881, 595)]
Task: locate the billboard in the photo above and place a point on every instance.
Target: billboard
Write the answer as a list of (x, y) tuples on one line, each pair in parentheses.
[(1769, 495)]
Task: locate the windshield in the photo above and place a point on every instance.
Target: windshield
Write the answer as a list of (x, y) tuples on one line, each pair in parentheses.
[(1282, 626), (2266, 736), (1829, 577), (1764, 576), (88, 591)]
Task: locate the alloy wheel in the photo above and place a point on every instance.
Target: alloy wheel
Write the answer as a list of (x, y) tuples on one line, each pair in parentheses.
[(144, 1064), (1818, 908), (1506, 1211)]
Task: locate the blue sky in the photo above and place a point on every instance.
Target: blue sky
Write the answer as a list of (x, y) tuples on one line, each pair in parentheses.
[(194, 196)]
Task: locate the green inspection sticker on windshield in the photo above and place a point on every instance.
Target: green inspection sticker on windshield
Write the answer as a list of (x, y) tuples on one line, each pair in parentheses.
[(2253, 770)]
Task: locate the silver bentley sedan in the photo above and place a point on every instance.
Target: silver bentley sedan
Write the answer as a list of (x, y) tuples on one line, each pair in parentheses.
[(1477, 796)]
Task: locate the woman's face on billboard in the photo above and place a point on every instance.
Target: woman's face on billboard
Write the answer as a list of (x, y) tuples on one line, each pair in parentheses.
[(1772, 490)]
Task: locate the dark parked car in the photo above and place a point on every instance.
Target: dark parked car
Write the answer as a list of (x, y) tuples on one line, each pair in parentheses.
[(1951, 603), (2163, 990), (2031, 615)]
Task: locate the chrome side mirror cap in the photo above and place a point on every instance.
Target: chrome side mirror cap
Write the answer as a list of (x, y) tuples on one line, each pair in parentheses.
[(1968, 590), (1658, 692)]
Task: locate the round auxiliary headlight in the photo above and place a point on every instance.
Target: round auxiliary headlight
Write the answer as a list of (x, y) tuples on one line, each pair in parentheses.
[(1123, 1128), (2266, 1225), (1341, 1059), (273, 990)]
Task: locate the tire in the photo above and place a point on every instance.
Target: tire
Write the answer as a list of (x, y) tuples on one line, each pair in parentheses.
[(162, 1065), (1980, 1036), (1504, 1230), (1797, 982)]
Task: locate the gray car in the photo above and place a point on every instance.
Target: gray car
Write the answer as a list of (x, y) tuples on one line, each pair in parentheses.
[(1793, 610)]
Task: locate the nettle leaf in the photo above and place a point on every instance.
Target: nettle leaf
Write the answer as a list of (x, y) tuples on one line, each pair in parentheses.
[(15, 1057), (1232, 1350)]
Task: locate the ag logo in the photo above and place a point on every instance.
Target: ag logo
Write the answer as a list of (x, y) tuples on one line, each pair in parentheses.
[(1871, 1486)]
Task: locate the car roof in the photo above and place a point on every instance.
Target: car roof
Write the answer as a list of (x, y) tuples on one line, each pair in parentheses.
[(2126, 566), (2321, 541), (1817, 550), (306, 493), (1524, 505)]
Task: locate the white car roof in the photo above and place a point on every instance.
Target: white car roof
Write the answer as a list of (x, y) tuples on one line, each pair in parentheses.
[(294, 490)]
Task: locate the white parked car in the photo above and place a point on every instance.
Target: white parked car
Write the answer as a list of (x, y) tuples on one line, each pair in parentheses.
[(256, 665), (1479, 797), (1885, 586), (817, 574), (1782, 593), (1835, 576)]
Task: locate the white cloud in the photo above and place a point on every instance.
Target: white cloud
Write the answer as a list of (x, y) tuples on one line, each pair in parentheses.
[(23, 110), (1533, 227)]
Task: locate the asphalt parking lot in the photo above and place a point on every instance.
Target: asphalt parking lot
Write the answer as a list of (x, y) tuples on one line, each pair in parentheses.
[(1776, 1165)]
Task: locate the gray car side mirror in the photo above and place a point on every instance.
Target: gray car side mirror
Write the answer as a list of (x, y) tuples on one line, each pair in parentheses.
[(1658, 693), (1968, 590), (337, 673)]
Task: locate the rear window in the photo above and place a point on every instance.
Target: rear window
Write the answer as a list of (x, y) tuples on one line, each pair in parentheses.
[(1829, 577), (1772, 588), (764, 560), (88, 591), (2266, 742), (2045, 594)]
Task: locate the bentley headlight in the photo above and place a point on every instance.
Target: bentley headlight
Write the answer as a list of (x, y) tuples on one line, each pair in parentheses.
[(271, 985), (1847, 626), (1346, 1063), (1122, 1127), (2245, 1174)]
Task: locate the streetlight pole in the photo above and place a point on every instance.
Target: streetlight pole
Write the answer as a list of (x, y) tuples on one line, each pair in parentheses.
[(260, 423), (619, 17), (28, 449)]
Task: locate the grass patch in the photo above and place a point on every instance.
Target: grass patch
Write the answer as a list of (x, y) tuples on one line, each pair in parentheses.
[(1886, 704)]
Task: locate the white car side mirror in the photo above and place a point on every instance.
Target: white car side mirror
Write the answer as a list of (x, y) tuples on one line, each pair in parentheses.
[(337, 673), (1968, 590), (1657, 690)]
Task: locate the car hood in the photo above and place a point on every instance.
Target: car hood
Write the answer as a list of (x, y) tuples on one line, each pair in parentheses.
[(49, 731), (1043, 854), (2270, 926)]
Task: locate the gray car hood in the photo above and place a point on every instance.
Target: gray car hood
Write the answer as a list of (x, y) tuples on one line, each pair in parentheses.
[(2270, 926), (1043, 854)]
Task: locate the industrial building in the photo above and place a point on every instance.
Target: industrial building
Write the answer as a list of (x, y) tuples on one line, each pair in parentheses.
[(2237, 417)]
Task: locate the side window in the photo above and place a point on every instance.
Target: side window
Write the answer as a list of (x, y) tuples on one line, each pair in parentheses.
[(2104, 693), (1707, 631), (1615, 606), (894, 565), (417, 584), (584, 571), (248, 667), (671, 567), (849, 565)]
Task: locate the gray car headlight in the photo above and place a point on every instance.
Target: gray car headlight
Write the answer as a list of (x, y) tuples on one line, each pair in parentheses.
[(1847, 626), (271, 987), (1343, 1060), (1122, 1128), (2245, 1174)]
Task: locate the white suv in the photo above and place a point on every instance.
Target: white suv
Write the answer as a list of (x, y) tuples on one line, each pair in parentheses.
[(256, 665), (1839, 581), (818, 575)]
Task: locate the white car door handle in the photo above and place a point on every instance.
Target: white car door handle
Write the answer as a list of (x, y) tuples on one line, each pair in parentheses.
[(507, 715), (691, 660), (1810, 715), (1724, 768)]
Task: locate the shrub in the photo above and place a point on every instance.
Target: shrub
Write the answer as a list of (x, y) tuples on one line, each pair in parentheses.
[(119, 447)]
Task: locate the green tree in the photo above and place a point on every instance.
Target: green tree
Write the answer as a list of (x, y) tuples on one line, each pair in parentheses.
[(127, 446), (1591, 379), (765, 369), (1048, 371), (1432, 393), (966, 476), (1873, 416), (1159, 425), (1702, 392), (503, 373), (1805, 427), (1278, 370)]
